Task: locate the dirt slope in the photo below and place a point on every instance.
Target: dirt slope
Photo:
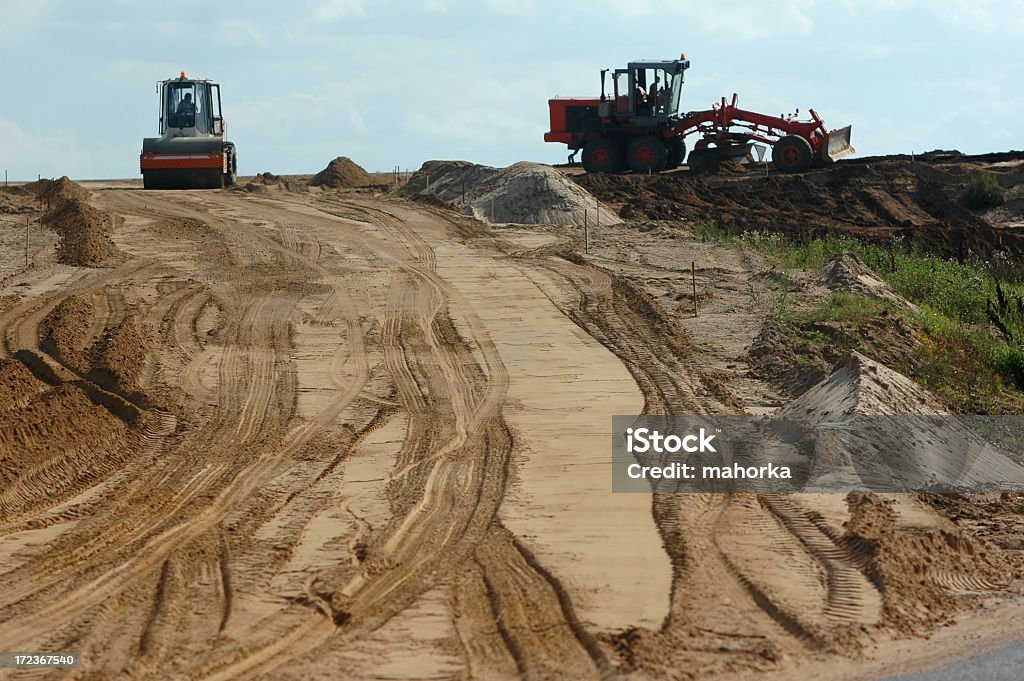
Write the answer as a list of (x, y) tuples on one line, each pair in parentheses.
[(877, 199)]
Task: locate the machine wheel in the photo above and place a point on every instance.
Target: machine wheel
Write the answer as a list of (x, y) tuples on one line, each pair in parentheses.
[(602, 156), (792, 154), (646, 154), (232, 175), (676, 154), (699, 159)]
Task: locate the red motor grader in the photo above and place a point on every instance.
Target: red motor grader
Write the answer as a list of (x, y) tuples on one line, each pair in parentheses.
[(638, 127)]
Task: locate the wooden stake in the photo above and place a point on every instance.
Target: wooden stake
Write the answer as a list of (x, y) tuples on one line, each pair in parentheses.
[(27, 222), (586, 232), (693, 274)]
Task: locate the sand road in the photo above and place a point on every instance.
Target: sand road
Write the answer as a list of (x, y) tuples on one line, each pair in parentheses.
[(360, 457)]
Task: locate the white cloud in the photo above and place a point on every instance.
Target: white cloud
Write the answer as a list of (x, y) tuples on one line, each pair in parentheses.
[(970, 14), (19, 18), (29, 153), (237, 32), (511, 6), (355, 119), (329, 10), (733, 22)]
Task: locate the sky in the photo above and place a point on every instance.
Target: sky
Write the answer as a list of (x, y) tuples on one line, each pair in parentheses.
[(394, 83)]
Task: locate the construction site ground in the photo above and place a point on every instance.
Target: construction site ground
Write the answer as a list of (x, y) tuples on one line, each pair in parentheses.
[(304, 433)]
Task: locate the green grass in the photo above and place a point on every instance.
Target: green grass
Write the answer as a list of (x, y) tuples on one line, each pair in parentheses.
[(845, 308), (709, 230), (970, 318)]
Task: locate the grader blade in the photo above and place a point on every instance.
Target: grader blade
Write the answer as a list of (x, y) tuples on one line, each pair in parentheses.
[(838, 145)]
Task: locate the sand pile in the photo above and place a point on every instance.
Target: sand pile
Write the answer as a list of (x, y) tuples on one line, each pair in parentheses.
[(918, 450), (920, 572), (57, 191), (447, 180), (83, 230), (84, 233), (523, 193), (18, 387), (53, 440), (62, 332), (341, 172), (1010, 215), (924, 569), (115, 361), (863, 386), (846, 273), (120, 357), (263, 183)]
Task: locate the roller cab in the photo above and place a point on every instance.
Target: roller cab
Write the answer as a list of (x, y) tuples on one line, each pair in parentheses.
[(191, 152)]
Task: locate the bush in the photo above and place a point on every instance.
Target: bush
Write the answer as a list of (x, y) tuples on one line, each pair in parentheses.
[(983, 191), (1009, 360)]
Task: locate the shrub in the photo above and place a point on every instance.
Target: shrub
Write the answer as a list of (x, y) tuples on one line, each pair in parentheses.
[(983, 191), (1009, 360)]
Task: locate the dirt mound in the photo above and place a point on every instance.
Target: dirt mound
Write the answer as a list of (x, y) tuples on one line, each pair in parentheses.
[(120, 356), (83, 230), (52, 440), (18, 387), (62, 332), (267, 178), (84, 233), (1010, 215), (876, 201), (919, 572), (865, 387), (341, 172), (892, 453), (773, 357), (846, 273), (447, 180), (57, 191), (523, 193), (264, 183)]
